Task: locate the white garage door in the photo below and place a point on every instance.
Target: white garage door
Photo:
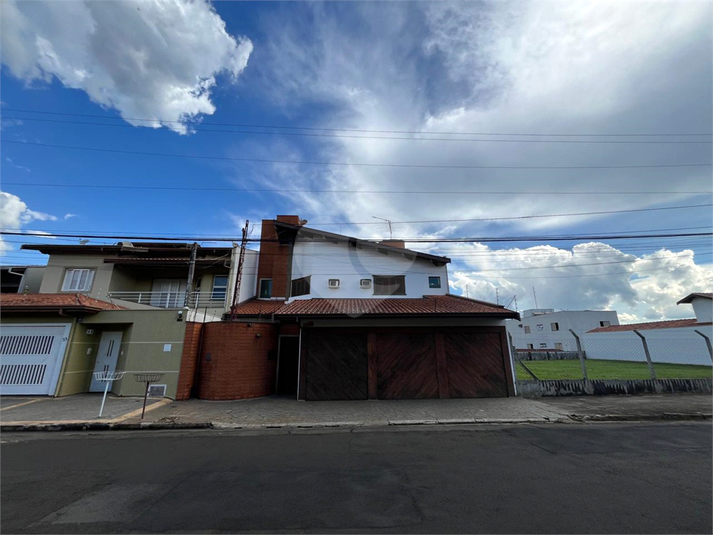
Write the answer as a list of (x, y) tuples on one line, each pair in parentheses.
[(31, 357)]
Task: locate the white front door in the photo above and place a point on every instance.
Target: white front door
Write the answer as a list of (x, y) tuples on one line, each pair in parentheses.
[(107, 355), (168, 293)]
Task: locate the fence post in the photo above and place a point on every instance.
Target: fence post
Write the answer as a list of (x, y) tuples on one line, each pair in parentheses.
[(708, 342), (580, 353), (648, 355), (518, 361)]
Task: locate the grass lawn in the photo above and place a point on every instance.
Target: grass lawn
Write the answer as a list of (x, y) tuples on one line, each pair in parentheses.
[(609, 369)]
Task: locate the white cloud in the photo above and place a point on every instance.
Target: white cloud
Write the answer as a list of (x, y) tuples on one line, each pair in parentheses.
[(15, 214), (157, 60), (590, 276), (500, 67)]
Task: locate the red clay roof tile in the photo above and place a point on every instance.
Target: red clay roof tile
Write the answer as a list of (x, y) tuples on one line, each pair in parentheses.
[(426, 305), (670, 324), (51, 301)]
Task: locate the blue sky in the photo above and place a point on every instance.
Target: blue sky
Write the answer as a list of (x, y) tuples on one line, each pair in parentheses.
[(498, 68)]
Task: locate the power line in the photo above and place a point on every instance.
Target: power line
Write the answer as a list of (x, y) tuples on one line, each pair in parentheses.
[(349, 136), (396, 192), (292, 127), (501, 239), (351, 164)]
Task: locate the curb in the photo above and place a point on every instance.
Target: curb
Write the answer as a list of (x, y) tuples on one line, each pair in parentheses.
[(153, 426)]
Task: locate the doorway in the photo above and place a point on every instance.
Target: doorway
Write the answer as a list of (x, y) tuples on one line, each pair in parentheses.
[(107, 355), (288, 353)]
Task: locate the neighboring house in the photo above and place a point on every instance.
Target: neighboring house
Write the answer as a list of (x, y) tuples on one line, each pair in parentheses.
[(111, 307), (335, 317), (21, 279), (673, 341), (545, 329)]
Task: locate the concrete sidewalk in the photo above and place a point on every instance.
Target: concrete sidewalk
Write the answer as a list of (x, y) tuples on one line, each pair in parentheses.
[(36, 411), (79, 412)]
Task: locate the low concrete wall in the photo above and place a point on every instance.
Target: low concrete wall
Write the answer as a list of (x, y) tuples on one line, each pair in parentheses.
[(547, 355), (602, 387)]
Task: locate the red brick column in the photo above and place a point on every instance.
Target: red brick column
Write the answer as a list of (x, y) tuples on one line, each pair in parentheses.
[(238, 360), (189, 360)]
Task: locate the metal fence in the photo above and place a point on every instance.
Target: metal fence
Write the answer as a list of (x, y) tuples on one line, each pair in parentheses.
[(620, 355)]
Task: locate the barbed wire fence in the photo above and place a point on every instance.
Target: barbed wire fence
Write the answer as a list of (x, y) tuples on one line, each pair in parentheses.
[(624, 355)]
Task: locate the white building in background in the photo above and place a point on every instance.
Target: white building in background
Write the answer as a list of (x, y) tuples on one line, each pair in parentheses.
[(673, 341), (545, 329)]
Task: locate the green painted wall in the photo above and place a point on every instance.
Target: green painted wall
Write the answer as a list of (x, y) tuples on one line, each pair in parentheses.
[(79, 361), (146, 332)]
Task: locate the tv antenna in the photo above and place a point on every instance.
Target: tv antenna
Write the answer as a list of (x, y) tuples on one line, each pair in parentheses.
[(391, 235)]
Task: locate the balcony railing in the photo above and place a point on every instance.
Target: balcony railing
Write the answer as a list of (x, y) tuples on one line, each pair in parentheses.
[(173, 299)]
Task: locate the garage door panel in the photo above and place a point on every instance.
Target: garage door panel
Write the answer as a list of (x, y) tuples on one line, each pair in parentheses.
[(406, 366), (31, 358), (475, 365), (337, 365)]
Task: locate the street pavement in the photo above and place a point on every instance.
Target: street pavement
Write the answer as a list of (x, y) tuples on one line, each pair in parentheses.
[(549, 478)]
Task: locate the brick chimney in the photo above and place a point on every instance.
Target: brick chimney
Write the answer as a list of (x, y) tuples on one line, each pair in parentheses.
[(275, 261), (394, 243)]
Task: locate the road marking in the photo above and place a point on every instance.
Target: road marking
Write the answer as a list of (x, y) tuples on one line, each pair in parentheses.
[(137, 412), (21, 404)]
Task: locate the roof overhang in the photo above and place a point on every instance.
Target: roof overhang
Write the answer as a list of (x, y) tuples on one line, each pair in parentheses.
[(690, 297), (288, 234)]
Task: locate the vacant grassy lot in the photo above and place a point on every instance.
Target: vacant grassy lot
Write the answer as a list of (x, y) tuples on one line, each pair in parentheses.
[(609, 369)]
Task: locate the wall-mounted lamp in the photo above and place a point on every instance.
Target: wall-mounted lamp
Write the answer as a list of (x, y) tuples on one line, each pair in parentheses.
[(179, 315), (258, 335)]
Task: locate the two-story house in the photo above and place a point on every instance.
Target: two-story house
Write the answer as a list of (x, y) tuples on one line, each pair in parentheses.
[(96, 308), (335, 317)]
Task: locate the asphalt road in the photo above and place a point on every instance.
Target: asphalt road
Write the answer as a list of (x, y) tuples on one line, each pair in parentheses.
[(593, 478)]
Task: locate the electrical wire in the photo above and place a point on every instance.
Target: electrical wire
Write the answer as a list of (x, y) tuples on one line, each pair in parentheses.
[(349, 164), (244, 125), (194, 128)]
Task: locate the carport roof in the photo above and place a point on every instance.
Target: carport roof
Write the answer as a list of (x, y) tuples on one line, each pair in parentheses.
[(428, 305), (54, 303)]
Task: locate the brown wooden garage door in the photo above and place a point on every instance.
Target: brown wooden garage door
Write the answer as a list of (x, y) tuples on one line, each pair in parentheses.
[(404, 363), (336, 364)]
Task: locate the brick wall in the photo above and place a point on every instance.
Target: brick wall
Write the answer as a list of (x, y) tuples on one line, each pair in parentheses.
[(236, 362), (274, 261), (189, 360)]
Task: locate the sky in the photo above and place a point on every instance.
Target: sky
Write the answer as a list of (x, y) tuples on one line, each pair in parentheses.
[(453, 111)]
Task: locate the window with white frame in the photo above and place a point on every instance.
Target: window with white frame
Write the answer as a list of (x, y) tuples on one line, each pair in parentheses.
[(220, 287), (78, 280), (434, 282)]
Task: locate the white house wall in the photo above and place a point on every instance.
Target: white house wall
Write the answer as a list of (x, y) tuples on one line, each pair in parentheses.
[(580, 321), (703, 308), (676, 345), (325, 260)]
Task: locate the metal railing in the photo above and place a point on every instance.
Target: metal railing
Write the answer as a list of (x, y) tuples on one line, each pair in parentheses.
[(173, 299)]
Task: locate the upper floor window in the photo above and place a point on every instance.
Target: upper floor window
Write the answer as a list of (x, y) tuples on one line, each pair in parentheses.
[(300, 287), (220, 287), (543, 345), (530, 346), (527, 329), (604, 323), (78, 280), (555, 326), (434, 282), (389, 285), (265, 289)]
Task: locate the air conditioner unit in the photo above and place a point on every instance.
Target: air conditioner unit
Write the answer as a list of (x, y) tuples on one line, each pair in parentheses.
[(334, 283), (157, 391), (365, 283)]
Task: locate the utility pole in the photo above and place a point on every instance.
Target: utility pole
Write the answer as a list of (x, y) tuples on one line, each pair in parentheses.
[(241, 261), (191, 273)]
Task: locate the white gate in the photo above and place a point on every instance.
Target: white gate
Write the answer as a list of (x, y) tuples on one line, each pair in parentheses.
[(31, 357)]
